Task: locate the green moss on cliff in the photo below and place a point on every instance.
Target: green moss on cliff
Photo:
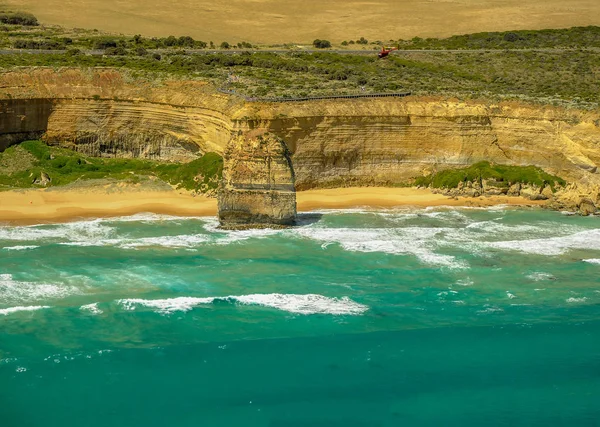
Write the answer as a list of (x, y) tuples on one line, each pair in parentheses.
[(21, 166), (484, 170)]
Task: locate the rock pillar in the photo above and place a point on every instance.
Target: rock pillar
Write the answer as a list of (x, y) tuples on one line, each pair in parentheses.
[(257, 189)]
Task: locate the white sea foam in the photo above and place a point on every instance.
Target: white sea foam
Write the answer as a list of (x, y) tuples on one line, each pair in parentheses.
[(364, 210), (417, 241), (15, 291), (225, 237), (493, 227), (592, 260), (91, 308), (573, 300), (79, 231), (539, 276), (10, 310), (510, 296), (300, 304), (179, 241), (490, 309), (150, 217), (19, 248), (589, 239)]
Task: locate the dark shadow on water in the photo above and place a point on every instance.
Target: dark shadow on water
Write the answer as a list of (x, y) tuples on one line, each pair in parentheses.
[(308, 218)]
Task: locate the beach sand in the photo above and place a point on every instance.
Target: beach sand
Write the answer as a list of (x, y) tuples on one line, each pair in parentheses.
[(57, 205)]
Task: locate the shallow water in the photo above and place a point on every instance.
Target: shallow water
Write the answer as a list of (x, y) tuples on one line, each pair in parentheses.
[(355, 318)]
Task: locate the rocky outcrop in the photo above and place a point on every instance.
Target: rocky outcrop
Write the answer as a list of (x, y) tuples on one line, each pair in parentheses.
[(577, 197), (490, 187), (257, 188)]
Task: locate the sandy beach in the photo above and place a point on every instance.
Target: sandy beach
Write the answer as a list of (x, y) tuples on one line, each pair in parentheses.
[(43, 206)]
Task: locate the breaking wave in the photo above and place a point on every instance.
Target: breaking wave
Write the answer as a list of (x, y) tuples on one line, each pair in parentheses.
[(91, 308), (15, 291), (417, 241), (589, 239), (539, 276), (19, 248), (298, 304), (11, 310)]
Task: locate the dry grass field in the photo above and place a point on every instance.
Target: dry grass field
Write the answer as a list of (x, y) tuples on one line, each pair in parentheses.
[(281, 21)]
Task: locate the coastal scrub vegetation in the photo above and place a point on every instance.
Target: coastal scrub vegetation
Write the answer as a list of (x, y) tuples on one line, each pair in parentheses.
[(21, 166), (568, 77), (477, 172), (576, 37)]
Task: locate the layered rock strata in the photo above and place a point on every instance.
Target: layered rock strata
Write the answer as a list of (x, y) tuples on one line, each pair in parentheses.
[(136, 129), (257, 189), (332, 143)]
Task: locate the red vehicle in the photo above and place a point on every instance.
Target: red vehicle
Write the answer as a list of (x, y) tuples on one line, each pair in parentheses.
[(385, 51)]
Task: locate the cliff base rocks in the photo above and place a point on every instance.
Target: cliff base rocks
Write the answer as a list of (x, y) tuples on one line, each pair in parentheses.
[(582, 199)]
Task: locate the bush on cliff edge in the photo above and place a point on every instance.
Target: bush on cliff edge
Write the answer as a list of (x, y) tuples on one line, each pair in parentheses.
[(484, 170)]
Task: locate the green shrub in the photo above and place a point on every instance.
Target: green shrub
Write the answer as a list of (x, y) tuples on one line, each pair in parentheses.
[(38, 44), (103, 43), (115, 51), (484, 170), (321, 44), (18, 18)]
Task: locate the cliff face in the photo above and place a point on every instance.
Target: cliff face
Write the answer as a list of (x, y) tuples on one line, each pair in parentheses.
[(103, 112), (136, 129), (257, 188), (389, 141), (22, 119), (332, 143)]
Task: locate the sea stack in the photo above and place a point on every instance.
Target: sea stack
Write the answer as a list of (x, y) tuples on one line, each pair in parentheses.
[(257, 189)]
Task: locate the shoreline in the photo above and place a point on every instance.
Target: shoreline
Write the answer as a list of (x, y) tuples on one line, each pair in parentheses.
[(41, 206)]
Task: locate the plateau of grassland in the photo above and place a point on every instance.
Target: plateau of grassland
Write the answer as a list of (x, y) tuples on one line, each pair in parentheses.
[(276, 21)]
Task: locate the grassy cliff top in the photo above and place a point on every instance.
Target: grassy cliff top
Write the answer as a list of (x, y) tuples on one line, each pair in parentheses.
[(560, 67)]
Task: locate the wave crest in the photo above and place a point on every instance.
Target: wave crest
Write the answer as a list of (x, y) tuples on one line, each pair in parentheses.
[(299, 304), (10, 310)]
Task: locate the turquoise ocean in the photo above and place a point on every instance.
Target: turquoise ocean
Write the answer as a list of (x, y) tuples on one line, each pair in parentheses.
[(407, 317)]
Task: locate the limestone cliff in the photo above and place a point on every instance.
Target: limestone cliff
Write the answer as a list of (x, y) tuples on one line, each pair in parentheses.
[(103, 112), (332, 143), (382, 142), (257, 189)]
